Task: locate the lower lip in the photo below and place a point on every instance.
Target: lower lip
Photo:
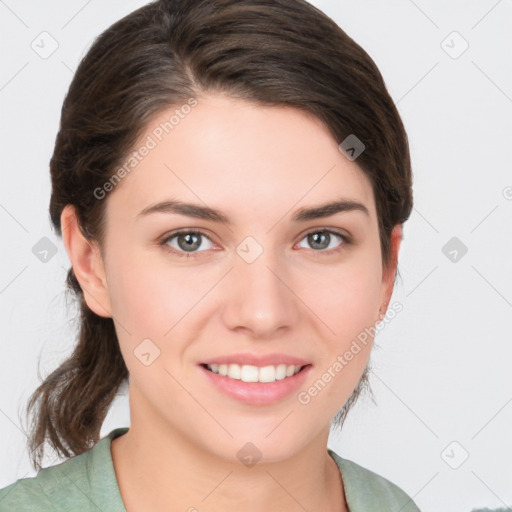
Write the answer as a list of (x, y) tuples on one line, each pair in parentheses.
[(257, 393)]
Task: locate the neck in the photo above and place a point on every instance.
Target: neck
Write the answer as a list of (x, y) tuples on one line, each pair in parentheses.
[(158, 469)]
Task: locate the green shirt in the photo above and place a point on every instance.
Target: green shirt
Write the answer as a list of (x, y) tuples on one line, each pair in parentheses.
[(87, 482)]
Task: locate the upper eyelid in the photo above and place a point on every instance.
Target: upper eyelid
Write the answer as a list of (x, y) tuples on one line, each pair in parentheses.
[(172, 234)]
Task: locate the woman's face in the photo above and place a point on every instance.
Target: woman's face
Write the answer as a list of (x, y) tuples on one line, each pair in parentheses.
[(265, 279)]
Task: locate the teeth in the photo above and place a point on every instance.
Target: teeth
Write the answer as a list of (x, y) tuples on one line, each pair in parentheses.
[(290, 370), (249, 373), (234, 371)]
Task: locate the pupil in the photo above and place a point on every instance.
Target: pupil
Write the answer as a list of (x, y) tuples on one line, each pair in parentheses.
[(189, 241), (314, 239)]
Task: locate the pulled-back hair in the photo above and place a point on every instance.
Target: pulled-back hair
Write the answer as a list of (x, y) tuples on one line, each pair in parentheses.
[(269, 52)]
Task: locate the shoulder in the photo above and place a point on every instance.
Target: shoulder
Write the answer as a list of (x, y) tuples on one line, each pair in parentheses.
[(366, 490), (70, 485), (48, 489)]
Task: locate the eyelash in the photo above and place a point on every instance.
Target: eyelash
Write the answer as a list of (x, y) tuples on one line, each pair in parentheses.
[(182, 254)]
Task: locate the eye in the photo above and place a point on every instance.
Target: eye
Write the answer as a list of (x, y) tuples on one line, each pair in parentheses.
[(322, 240), (185, 243)]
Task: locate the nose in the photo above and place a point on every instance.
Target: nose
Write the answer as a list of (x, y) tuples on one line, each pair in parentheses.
[(260, 298)]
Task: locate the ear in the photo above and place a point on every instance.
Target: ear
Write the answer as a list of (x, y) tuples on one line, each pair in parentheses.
[(388, 275), (87, 263)]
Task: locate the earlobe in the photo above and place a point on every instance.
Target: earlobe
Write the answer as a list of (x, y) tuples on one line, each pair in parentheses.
[(87, 263), (388, 276)]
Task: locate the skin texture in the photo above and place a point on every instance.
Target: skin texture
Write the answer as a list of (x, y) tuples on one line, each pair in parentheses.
[(258, 165)]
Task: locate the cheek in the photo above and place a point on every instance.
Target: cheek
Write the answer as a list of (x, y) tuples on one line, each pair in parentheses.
[(140, 296), (346, 298), (346, 303), (150, 297)]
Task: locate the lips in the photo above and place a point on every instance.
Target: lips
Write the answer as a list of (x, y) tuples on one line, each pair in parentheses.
[(256, 393)]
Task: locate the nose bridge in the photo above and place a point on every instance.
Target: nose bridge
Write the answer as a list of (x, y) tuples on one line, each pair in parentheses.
[(260, 299)]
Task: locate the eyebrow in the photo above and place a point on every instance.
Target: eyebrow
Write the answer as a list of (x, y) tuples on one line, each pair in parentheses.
[(206, 213)]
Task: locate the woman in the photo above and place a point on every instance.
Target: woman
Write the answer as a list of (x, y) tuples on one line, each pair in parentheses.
[(230, 180)]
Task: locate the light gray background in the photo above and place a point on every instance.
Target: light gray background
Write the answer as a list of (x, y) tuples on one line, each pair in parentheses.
[(442, 372)]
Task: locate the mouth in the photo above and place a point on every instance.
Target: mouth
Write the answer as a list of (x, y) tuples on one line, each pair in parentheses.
[(251, 373), (256, 385)]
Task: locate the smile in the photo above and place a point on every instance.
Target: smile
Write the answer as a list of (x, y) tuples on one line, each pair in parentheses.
[(250, 373), (256, 385)]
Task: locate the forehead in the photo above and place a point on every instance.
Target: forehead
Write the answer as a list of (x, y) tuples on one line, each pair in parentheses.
[(237, 155)]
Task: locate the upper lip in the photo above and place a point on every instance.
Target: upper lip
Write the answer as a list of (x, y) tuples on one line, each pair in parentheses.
[(257, 360)]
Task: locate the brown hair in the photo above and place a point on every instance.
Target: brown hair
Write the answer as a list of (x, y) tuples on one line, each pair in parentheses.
[(270, 52)]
